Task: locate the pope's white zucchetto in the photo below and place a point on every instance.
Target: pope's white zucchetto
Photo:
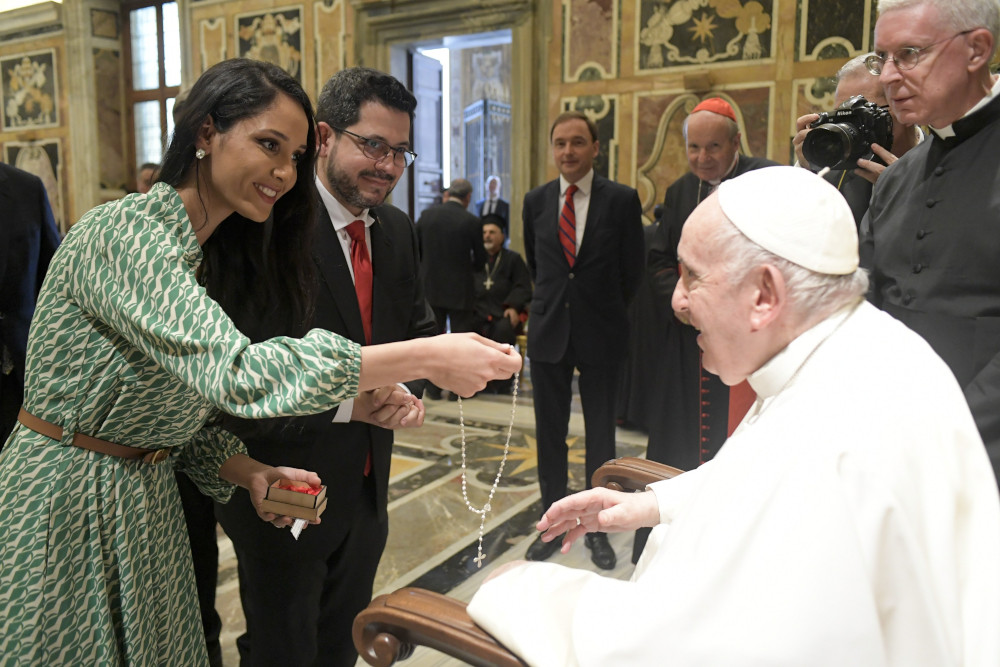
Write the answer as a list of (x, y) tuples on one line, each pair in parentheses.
[(794, 214)]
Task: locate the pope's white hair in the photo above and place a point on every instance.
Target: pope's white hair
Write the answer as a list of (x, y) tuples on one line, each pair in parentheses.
[(812, 295)]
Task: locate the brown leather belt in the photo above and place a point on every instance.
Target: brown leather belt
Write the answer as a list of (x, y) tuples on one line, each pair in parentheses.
[(50, 430)]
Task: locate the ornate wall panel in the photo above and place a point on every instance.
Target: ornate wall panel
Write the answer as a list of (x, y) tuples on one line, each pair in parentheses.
[(834, 28), (111, 149), (329, 33), (104, 24), (30, 91), (590, 46), (274, 36), (44, 159), (212, 42), (702, 32)]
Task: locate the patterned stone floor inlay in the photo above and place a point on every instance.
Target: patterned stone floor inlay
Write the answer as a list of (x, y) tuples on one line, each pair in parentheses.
[(432, 535)]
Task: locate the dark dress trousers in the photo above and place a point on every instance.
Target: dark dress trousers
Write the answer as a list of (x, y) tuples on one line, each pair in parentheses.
[(578, 319), (28, 237), (325, 578), (451, 249)]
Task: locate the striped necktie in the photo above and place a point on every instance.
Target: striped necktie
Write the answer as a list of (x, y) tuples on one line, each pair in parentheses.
[(567, 226)]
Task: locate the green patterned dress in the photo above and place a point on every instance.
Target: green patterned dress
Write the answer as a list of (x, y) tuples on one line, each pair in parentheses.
[(126, 346)]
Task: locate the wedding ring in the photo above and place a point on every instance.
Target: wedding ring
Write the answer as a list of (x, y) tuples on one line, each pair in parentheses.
[(578, 521)]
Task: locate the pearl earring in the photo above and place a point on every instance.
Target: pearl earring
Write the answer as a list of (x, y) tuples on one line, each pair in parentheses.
[(200, 153)]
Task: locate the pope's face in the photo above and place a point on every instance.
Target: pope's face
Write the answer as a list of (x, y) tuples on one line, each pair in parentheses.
[(710, 147), (706, 300)]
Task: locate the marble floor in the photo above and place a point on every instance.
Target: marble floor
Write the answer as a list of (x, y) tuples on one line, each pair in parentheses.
[(432, 535)]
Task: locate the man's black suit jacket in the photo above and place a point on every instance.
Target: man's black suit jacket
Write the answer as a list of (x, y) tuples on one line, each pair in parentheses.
[(588, 302), (502, 209), (451, 249), (337, 452), (28, 237)]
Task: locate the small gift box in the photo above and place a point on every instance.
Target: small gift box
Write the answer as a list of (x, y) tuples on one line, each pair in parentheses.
[(295, 499)]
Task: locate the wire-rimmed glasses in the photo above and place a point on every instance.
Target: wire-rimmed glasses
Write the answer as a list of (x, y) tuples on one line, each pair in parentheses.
[(905, 58), (376, 149)]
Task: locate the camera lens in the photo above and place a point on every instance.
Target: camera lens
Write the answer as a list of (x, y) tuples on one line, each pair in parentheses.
[(832, 145)]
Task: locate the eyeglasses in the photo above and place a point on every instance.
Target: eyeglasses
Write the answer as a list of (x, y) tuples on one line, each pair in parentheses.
[(905, 58), (377, 149)]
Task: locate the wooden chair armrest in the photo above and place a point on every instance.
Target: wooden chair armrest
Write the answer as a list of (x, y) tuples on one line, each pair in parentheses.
[(629, 473), (393, 624)]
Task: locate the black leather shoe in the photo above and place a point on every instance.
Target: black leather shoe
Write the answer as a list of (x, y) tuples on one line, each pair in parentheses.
[(542, 550), (601, 553)]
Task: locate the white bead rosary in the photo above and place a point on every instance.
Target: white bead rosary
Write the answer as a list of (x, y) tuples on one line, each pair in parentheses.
[(496, 482)]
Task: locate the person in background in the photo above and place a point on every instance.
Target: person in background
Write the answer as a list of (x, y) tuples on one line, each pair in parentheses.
[(928, 238), (147, 176), (856, 184), (451, 249), (698, 411), (584, 248), (494, 204), (831, 529), (130, 362), (503, 292)]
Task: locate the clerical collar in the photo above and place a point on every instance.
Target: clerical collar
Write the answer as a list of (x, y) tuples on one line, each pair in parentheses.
[(775, 374), (583, 185), (972, 121), (339, 215)]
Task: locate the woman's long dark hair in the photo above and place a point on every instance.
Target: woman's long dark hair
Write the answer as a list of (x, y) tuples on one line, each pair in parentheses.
[(261, 273)]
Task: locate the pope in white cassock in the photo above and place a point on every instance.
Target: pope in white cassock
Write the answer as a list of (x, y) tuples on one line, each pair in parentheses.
[(853, 517)]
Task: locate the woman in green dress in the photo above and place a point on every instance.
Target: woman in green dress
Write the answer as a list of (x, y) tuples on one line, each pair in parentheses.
[(127, 350)]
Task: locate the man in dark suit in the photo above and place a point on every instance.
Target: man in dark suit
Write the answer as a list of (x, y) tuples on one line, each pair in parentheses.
[(300, 598), (29, 237), (451, 249), (584, 247), (492, 204)]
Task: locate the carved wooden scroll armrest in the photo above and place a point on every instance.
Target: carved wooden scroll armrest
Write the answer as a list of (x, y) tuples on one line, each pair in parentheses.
[(393, 624), (632, 474)]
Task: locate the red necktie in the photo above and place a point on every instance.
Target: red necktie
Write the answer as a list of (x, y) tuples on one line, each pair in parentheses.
[(363, 287), (567, 226), (362, 274)]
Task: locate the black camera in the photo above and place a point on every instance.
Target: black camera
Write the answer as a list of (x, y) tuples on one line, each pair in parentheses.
[(840, 139)]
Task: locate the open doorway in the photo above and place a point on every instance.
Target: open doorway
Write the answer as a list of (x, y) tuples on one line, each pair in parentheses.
[(462, 126)]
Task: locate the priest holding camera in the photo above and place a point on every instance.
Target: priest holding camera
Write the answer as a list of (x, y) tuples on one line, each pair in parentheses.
[(930, 237), (856, 139)]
